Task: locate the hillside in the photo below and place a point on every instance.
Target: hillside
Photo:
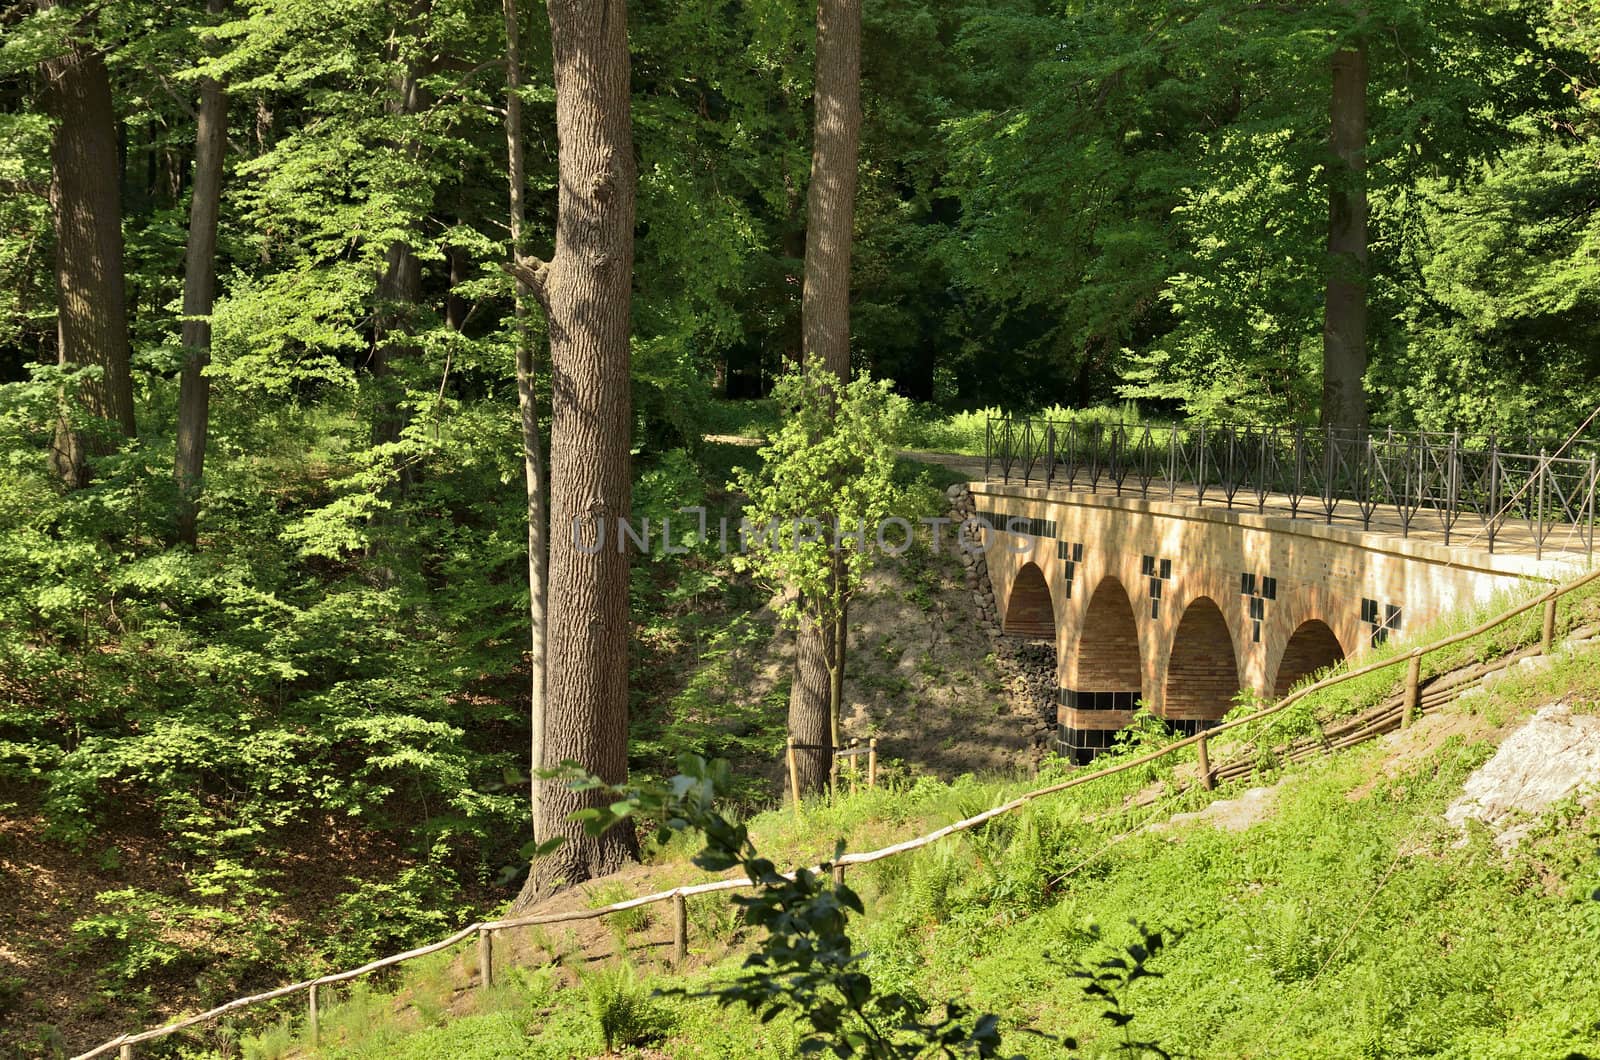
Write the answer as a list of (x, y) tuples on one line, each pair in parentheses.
[(122, 918), (1329, 909)]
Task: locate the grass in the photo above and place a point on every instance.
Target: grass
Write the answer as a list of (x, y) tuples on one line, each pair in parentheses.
[(1349, 922), (965, 432), (932, 428)]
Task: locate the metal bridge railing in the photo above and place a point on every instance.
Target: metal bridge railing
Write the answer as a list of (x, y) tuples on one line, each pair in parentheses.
[(1427, 480)]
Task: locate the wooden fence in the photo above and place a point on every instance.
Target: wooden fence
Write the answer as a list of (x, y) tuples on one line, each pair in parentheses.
[(1409, 702)]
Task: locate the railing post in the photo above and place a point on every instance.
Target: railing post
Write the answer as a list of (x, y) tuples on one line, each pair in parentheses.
[(872, 763), (1494, 490), (1547, 636), (1592, 487), (1172, 463), (314, 1017), (794, 778), (1413, 688), (838, 875), (485, 958), (1453, 489), (1544, 486), (1050, 474), (1207, 781), (680, 929)]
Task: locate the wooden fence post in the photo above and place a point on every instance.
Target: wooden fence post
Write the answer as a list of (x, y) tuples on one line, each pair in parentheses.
[(855, 764), (125, 1053), (872, 763), (485, 958), (794, 778), (1547, 638), (1207, 781), (680, 930), (1413, 688), (314, 1017), (838, 875)]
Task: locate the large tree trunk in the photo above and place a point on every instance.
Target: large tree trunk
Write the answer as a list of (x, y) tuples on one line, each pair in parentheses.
[(528, 406), (199, 287), (814, 698), (1344, 336), (91, 319), (586, 292)]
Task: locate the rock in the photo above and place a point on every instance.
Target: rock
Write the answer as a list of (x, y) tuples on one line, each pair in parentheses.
[(1553, 756), (1231, 815), (956, 491)]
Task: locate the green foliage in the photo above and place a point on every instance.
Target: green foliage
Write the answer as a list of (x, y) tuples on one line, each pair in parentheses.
[(623, 1009), (805, 964), (825, 486), (1107, 980)]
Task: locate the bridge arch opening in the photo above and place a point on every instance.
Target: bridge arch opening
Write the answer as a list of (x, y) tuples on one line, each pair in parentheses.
[(1106, 675), (1313, 647), (1203, 672), (1030, 612)]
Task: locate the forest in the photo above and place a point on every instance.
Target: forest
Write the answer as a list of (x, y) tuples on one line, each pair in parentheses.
[(325, 328)]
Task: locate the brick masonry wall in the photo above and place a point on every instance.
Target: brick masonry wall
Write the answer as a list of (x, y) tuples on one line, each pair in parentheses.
[(1312, 647), (1106, 656), (1264, 576), (1202, 673)]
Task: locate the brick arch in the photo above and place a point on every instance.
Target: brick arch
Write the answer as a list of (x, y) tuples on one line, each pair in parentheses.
[(1203, 668), (1108, 657), (1313, 647), (1030, 610)]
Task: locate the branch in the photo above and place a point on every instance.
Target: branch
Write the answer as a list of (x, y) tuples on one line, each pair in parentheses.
[(533, 274)]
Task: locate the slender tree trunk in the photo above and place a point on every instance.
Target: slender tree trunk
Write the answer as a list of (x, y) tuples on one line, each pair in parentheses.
[(586, 292), (199, 287), (92, 318), (399, 291), (528, 406), (455, 306), (1344, 340), (825, 323)]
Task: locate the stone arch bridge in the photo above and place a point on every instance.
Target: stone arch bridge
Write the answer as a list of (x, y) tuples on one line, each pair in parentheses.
[(1178, 607)]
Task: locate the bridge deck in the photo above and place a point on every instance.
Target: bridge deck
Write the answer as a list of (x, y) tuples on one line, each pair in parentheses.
[(1516, 543)]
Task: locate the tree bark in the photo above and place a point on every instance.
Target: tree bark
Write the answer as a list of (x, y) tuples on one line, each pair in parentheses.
[(831, 195), (810, 721), (199, 288), (528, 406), (91, 319), (814, 698), (399, 291), (1344, 340), (586, 292)]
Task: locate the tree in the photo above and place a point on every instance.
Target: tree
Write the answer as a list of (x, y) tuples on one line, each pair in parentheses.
[(528, 408), (91, 322), (820, 646), (1344, 326), (834, 454), (585, 290), (199, 286)]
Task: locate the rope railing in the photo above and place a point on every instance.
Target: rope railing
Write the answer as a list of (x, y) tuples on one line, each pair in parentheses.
[(485, 930), (1422, 480)]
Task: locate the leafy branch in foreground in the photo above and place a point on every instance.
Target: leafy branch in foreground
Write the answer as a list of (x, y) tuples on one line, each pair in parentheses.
[(1107, 981), (806, 963)]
